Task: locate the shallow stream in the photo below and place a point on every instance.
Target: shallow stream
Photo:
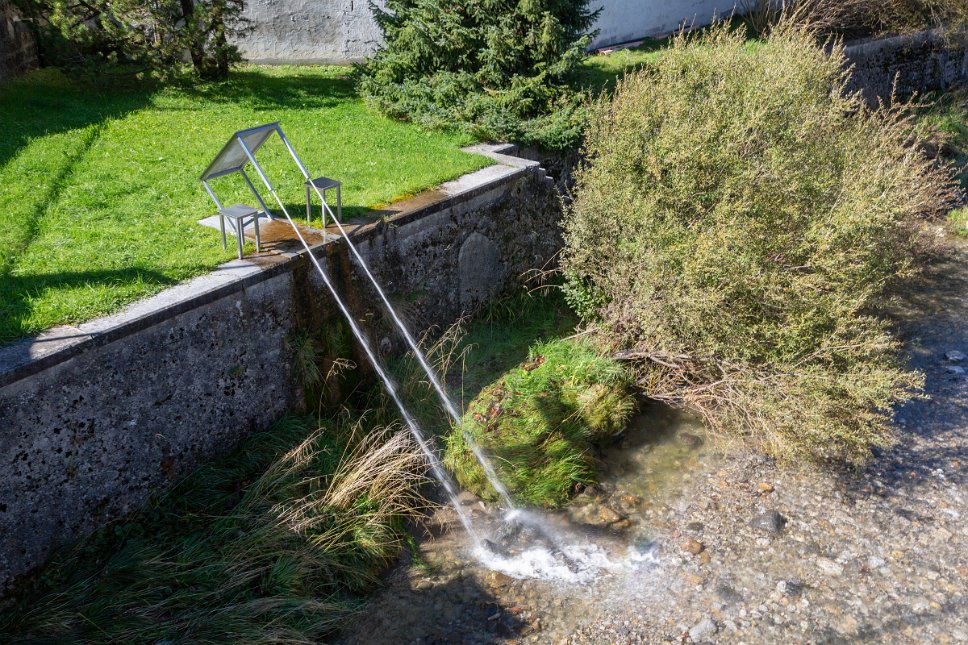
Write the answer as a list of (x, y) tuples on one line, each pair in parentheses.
[(563, 566)]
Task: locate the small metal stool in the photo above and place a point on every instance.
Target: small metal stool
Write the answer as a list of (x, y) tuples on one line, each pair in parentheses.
[(323, 184), (237, 215)]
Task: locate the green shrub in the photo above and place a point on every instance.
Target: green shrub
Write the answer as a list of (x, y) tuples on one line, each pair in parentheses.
[(735, 226), (496, 68), (540, 421)]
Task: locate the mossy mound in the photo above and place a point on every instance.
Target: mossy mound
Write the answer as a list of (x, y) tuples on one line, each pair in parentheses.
[(540, 421)]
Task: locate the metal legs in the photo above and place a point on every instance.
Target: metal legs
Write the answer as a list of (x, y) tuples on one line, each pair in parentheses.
[(322, 185)]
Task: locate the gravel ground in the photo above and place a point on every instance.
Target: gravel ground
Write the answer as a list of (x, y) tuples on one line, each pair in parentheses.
[(730, 547)]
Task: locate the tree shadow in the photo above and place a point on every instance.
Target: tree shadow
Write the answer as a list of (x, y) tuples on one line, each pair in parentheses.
[(45, 102), (261, 90), (16, 293), (933, 431)]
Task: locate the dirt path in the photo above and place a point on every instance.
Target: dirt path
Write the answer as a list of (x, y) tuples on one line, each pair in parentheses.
[(728, 548)]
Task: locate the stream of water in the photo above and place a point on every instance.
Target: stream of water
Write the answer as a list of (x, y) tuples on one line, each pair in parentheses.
[(526, 543)]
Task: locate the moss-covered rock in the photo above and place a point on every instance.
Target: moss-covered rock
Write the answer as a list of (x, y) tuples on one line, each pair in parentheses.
[(539, 423)]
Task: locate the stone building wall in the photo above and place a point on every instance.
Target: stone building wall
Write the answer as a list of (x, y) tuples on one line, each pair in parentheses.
[(343, 31)]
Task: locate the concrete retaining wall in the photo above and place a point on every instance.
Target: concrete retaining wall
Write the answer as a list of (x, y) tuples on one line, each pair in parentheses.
[(98, 417), (920, 62), (18, 51), (343, 31)]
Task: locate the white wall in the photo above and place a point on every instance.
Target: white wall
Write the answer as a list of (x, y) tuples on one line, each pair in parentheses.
[(343, 31), (625, 20)]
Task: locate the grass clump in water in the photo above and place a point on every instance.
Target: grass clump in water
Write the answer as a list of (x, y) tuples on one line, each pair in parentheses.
[(269, 545), (540, 422)]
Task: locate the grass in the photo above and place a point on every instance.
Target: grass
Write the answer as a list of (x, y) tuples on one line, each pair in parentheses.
[(959, 220), (540, 421), (946, 115), (101, 196), (538, 401), (272, 544)]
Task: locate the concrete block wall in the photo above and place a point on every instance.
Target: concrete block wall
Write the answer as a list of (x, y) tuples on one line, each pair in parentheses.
[(97, 417), (18, 51)]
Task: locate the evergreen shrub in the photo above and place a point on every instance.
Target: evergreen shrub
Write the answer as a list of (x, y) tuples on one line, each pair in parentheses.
[(497, 68)]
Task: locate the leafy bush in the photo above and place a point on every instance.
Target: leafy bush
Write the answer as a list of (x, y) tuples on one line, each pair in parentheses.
[(540, 421), (497, 68), (148, 37), (266, 546), (736, 224)]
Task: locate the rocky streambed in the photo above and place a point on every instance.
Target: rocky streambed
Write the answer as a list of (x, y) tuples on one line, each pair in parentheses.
[(717, 544)]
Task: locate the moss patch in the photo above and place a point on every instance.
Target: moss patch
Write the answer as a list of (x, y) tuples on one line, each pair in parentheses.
[(540, 422)]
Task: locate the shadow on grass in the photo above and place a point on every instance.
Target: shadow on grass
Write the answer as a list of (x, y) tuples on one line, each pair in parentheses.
[(17, 292), (45, 103), (259, 90)]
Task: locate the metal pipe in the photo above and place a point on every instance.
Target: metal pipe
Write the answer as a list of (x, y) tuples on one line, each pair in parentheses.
[(256, 193), (258, 168)]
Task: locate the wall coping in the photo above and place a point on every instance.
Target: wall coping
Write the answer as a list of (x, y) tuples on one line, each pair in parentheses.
[(26, 357)]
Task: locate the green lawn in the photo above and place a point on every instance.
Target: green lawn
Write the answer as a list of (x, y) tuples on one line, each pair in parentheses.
[(948, 113), (100, 194)]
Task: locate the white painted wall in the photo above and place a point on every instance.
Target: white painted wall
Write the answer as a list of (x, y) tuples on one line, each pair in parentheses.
[(343, 31), (625, 20)]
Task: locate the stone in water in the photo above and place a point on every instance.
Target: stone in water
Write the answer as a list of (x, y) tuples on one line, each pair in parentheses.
[(769, 521)]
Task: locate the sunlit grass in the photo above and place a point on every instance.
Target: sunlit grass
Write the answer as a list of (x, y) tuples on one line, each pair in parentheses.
[(100, 195)]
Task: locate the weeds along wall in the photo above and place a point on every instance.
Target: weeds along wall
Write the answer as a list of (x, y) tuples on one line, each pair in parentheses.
[(98, 417)]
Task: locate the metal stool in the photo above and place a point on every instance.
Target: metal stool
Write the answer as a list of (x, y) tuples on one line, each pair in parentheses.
[(237, 215), (323, 184)]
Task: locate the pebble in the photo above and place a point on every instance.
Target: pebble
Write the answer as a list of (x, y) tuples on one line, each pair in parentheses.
[(954, 355), (608, 515), (829, 567), (703, 631), (770, 522), (766, 487), (693, 546), (957, 370)]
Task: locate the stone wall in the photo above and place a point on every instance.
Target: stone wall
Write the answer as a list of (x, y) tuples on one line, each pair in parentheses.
[(921, 62), (18, 52), (309, 31), (99, 416)]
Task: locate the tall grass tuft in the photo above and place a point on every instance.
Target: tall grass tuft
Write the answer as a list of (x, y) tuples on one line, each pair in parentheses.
[(267, 546)]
